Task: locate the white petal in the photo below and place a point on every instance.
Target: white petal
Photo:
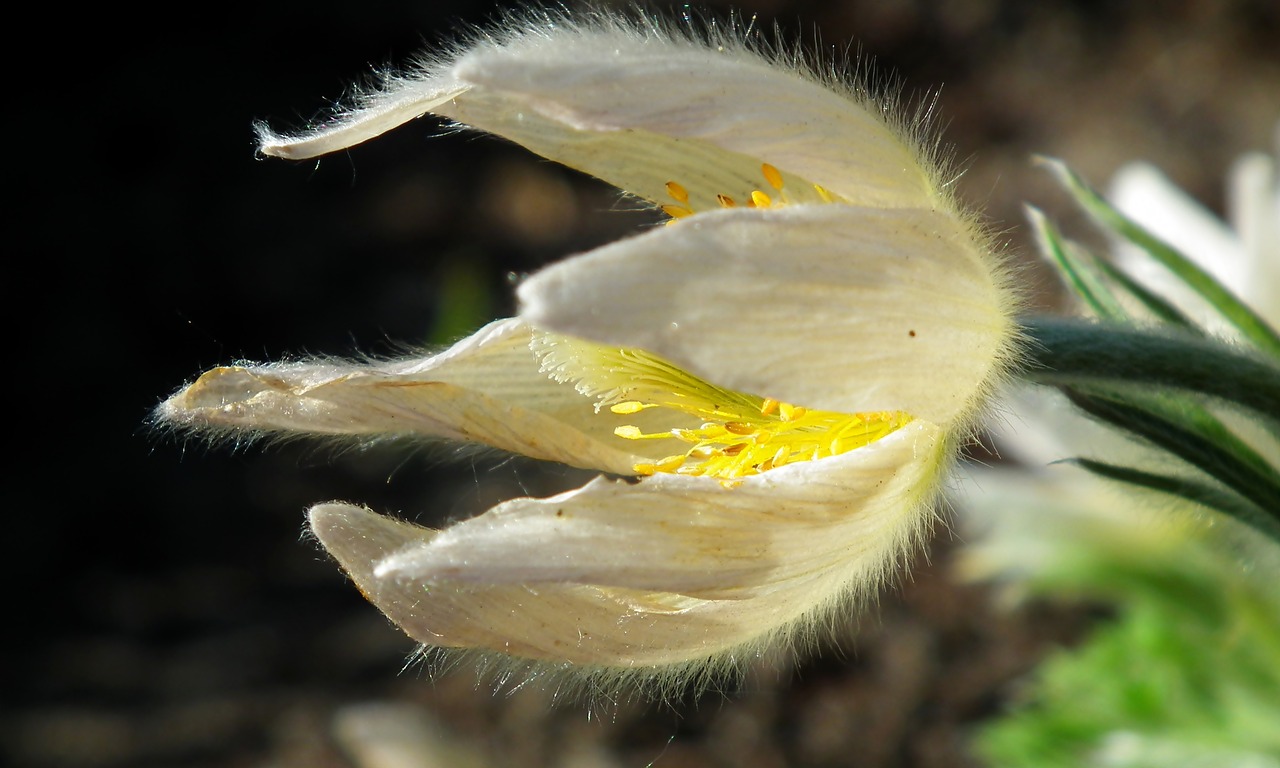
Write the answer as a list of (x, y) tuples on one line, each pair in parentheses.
[(1253, 199), (1147, 196), (1246, 262), (828, 306), (399, 101), (639, 107), (485, 389), (654, 573), (657, 108)]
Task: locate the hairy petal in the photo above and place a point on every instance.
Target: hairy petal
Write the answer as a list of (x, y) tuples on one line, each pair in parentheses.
[(655, 105), (644, 85), (830, 306), (403, 99), (739, 564), (486, 389)]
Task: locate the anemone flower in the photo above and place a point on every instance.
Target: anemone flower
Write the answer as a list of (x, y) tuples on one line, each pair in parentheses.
[(772, 385)]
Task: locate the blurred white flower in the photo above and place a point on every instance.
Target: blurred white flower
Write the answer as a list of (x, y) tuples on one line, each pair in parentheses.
[(1242, 253), (787, 367), (1041, 427)]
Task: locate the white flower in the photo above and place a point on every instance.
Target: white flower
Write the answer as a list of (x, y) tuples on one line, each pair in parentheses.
[(1242, 253), (1022, 520), (787, 367)]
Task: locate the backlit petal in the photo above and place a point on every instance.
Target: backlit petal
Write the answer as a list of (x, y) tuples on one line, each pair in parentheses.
[(485, 389), (830, 306), (652, 107), (559, 578), (642, 85)]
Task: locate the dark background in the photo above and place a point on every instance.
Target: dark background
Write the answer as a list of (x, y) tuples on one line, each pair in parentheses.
[(166, 610)]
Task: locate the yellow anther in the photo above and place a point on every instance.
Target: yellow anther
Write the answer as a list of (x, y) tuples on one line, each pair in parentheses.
[(631, 406), (824, 194), (760, 199), (725, 201), (677, 192), (671, 463), (740, 435), (676, 211), (773, 176)]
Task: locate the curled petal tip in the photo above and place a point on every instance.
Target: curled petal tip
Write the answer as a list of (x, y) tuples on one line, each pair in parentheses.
[(360, 539)]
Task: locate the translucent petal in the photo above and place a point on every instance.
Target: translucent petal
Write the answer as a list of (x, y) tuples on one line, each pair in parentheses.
[(658, 572), (652, 108), (485, 389), (639, 86), (828, 306), (402, 100)]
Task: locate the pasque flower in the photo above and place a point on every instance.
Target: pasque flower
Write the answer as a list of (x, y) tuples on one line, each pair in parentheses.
[(780, 375)]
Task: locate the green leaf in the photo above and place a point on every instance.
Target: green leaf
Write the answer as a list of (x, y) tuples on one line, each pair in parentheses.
[(1239, 314), (1204, 494), (1161, 310), (1079, 272), (1204, 444)]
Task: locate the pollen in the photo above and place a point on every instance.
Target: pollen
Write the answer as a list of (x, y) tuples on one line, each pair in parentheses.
[(713, 431)]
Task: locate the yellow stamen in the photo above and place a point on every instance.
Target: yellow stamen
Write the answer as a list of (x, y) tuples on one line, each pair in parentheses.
[(757, 198), (773, 176), (631, 406), (739, 434)]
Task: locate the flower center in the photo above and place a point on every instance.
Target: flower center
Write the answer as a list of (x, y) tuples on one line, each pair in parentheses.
[(757, 198), (739, 435)]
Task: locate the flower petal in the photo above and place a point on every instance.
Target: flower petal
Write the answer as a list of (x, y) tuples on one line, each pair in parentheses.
[(647, 83), (655, 105), (659, 572), (485, 389), (402, 99), (829, 306), (1246, 259)]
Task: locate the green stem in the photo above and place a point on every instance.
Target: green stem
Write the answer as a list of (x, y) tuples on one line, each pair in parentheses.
[(1239, 314), (1169, 391), (1068, 352)]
